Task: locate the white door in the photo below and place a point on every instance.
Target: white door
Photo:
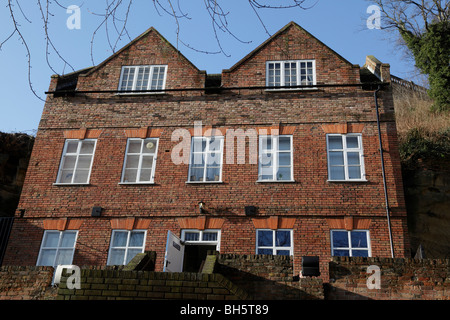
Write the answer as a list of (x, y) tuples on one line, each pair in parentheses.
[(173, 260)]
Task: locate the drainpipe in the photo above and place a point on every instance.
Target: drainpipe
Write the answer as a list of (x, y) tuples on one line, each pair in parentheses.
[(384, 174)]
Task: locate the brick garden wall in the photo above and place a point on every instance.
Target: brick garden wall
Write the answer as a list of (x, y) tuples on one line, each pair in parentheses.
[(238, 277), (27, 283), (401, 279)]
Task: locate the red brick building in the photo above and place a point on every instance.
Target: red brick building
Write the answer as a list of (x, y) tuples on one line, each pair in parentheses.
[(279, 154)]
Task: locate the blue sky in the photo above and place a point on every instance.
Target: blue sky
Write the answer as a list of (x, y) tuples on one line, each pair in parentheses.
[(340, 24)]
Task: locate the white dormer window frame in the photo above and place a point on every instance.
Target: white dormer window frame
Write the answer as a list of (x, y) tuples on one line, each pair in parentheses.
[(143, 77), (286, 73)]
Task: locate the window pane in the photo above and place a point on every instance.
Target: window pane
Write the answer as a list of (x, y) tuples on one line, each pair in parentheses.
[(197, 160), (117, 256), (340, 239), (209, 236), (130, 175), (51, 239), (84, 162), (196, 174), (72, 147), (134, 146), (283, 238), (266, 143), (64, 256), (359, 239), (265, 238), (353, 158), (335, 142), (336, 158), (265, 251), (283, 252), (284, 143), (131, 254), (341, 253), (191, 236), (284, 158), (284, 173), (81, 176), (213, 174), (199, 145), (360, 253), (66, 176), (120, 239), (69, 162), (149, 146), (132, 162), (145, 175), (214, 144), (136, 239), (354, 173), (87, 147), (68, 239), (214, 158), (47, 257), (337, 173), (266, 160), (147, 162), (352, 142)]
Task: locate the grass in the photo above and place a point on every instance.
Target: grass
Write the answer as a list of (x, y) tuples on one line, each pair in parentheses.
[(424, 135)]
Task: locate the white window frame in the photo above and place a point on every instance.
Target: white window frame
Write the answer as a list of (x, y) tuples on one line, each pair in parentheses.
[(77, 154), (298, 74), (126, 247), (207, 152), (200, 236), (135, 79), (274, 156), (274, 248), (58, 247), (141, 156), (350, 248), (346, 150)]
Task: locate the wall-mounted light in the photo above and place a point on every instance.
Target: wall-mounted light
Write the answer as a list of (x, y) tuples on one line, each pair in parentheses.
[(201, 206)]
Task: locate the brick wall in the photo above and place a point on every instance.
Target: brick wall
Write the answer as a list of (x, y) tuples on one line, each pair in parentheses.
[(142, 285), (401, 279), (27, 283), (268, 277)]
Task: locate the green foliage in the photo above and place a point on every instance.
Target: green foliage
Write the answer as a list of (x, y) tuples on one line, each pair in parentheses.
[(419, 145), (431, 52)]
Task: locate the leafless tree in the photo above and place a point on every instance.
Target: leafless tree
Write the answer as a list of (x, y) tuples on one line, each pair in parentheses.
[(412, 16), (114, 21)]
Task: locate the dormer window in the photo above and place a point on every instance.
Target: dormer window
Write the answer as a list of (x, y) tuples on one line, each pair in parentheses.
[(290, 73), (138, 78)]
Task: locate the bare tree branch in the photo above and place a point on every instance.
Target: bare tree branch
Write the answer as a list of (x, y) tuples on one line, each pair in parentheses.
[(114, 19)]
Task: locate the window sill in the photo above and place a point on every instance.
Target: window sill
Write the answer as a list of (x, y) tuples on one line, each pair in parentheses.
[(203, 182), (340, 181), (71, 184), (140, 93), (136, 183), (275, 181), (293, 89)]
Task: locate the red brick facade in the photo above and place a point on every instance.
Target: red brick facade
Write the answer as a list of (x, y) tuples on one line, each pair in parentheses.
[(310, 205)]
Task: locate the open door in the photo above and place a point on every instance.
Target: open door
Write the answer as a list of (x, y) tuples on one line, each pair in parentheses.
[(173, 259)]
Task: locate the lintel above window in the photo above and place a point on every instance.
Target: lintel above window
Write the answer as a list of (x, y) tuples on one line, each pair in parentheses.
[(137, 79)]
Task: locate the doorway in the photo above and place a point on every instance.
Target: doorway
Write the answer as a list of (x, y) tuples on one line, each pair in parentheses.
[(197, 244)]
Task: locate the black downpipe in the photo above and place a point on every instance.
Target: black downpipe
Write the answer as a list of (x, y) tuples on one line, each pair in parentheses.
[(384, 174)]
